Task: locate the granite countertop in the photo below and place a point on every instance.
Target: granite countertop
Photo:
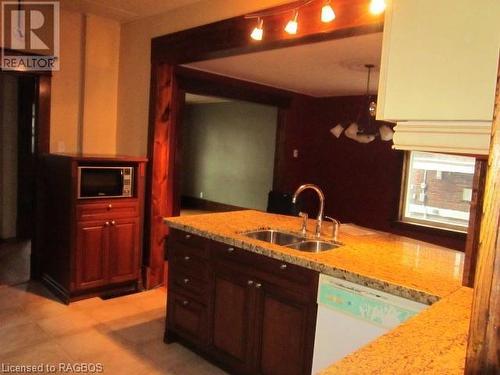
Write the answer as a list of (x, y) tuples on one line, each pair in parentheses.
[(398, 265), (432, 342)]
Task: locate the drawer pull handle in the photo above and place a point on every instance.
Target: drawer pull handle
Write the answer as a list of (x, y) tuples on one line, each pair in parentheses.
[(186, 258), (185, 302), (110, 206), (187, 236), (283, 266), (186, 280), (258, 285), (113, 222), (230, 249), (250, 282), (106, 223)]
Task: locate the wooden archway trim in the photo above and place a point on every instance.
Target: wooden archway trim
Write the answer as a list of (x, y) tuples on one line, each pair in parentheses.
[(224, 38)]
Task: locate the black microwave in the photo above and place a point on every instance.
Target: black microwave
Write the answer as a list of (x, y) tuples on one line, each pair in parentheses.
[(105, 182)]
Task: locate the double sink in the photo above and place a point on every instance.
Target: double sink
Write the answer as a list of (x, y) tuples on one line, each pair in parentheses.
[(292, 241)]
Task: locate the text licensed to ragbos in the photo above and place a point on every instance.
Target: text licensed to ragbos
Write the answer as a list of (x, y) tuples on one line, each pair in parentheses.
[(63, 367)]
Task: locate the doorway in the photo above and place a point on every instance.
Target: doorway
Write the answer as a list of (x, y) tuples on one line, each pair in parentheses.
[(228, 153), (23, 135)]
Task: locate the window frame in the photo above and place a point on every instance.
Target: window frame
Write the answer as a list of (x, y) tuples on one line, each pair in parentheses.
[(403, 201)]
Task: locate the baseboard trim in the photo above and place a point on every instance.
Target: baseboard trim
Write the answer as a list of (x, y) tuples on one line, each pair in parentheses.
[(206, 205)]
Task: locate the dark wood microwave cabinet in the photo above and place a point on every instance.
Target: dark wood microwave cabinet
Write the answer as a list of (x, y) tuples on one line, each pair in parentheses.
[(246, 312), (88, 247)]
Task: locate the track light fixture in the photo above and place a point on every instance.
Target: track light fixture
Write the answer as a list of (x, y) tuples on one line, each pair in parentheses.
[(258, 31), (327, 13), (376, 7), (292, 26)]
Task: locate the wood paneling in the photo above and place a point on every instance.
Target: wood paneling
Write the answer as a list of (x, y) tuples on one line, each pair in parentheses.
[(476, 211), (483, 351), (361, 182)]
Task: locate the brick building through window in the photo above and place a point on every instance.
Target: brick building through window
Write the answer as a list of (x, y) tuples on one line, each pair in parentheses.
[(438, 190)]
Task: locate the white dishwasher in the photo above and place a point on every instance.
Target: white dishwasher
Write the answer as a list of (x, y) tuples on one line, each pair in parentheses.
[(352, 315)]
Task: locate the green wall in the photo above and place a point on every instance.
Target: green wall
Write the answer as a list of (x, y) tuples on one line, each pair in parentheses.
[(228, 152)]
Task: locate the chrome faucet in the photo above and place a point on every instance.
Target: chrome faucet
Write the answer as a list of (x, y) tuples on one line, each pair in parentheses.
[(335, 227), (321, 203)]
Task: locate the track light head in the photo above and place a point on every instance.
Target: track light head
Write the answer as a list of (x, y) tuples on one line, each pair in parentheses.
[(292, 26), (258, 31), (327, 13)]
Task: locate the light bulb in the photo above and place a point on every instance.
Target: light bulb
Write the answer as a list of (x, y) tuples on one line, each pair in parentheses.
[(377, 6), (327, 13), (258, 31), (292, 26)]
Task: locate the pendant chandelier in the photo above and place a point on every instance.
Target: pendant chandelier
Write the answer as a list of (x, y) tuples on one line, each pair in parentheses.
[(365, 128)]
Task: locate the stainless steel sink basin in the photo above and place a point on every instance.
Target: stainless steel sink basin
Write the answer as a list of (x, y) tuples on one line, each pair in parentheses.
[(274, 236), (292, 241), (313, 246)]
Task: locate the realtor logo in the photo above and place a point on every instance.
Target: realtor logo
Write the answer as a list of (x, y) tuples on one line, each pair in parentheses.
[(30, 35)]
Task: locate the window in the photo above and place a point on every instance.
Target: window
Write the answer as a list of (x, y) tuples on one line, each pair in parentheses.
[(437, 190)]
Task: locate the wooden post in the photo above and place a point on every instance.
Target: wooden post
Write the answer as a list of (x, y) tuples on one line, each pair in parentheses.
[(476, 211), (161, 151), (483, 351)]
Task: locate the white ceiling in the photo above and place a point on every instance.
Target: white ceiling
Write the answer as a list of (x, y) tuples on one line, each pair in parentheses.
[(332, 68), (124, 10)]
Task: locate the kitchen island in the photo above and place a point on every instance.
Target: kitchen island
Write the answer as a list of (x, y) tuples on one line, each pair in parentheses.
[(397, 265)]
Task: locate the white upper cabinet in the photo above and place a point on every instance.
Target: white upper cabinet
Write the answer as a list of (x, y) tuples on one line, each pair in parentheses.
[(438, 73)]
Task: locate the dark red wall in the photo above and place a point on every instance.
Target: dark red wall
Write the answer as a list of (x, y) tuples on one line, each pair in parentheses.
[(361, 182)]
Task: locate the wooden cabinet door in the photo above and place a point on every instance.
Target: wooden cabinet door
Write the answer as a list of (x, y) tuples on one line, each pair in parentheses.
[(233, 307), (188, 318), (285, 324), (123, 261), (91, 254)]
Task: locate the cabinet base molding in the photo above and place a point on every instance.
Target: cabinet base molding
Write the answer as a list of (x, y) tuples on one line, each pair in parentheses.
[(154, 276), (67, 297)]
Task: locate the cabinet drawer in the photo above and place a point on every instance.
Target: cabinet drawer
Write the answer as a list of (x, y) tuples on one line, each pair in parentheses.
[(187, 317), (177, 249), (189, 265), (198, 246), (266, 266), (183, 282), (107, 210)]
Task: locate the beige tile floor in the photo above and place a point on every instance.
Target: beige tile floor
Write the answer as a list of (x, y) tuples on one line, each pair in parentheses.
[(124, 334)]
